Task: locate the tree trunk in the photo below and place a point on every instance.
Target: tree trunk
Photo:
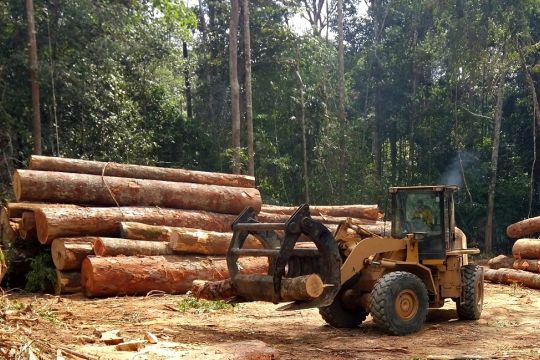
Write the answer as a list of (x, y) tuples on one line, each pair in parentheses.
[(32, 50), (30, 185), (139, 231), (354, 211), (235, 88), (27, 228), (304, 141), (57, 222), (260, 288), (67, 282), (195, 241), (342, 118), (129, 275), (187, 82), (527, 265), (511, 276), (494, 160), (69, 253), (526, 249), (501, 262), (114, 247), (524, 228), (247, 86), (47, 163)]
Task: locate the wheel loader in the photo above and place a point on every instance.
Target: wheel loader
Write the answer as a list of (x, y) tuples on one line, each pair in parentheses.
[(394, 278)]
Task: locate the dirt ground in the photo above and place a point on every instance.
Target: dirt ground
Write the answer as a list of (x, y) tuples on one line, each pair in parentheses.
[(509, 328)]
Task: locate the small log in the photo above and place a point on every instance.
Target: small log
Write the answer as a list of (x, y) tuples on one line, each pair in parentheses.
[(524, 228), (113, 247), (133, 345), (526, 249), (67, 282), (9, 230), (260, 288), (511, 276), (527, 265), (353, 211), (57, 222), (130, 275), (27, 228), (195, 241), (281, 218), (16, 209), (32, 185), (47, 163), (139, 231), (501, 262), (69, 253)]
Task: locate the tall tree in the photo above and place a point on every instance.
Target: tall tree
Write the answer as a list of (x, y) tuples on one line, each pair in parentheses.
[(341, 85), (235, 88), (247, 87), (32, 49)]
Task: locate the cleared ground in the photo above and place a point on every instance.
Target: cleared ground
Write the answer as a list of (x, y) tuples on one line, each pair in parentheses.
[(509, 328)]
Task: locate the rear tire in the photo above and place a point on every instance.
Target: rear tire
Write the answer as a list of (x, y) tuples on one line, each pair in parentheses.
[(337, 315), (469, 305), (399, 303)]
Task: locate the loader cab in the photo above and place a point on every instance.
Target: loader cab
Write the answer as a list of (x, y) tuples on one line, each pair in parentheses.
[(427, 212)]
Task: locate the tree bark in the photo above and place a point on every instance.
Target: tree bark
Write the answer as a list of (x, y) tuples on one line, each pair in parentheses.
[(260, 288), (27, 228), (247, 87), (57, 222), (354, 211), (69, 253), (524, 228), (47, 163), (195, 241), (32, 51), (526, 249), (501, 262), (140, 231), (129, 275), (511, 276), (67, 282), (488, 240), (527, 265), (31, 185), (114, 247), (235, 88)]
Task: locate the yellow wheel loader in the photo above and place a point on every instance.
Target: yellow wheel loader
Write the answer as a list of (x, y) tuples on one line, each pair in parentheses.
[(394, 278)]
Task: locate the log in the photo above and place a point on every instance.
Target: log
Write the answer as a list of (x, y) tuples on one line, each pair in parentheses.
[(511, 276), (114, 247), (129, 275), (57, 222), (527, 265), (353, 211), (46, 163), (260, 288), (31, 185), (501, 262), (280, 218), (9, 230), (195, 241), (16, 209), (67, 282), (523, 228), (27, 228), (140, 231), (69, 253), (526, 249)]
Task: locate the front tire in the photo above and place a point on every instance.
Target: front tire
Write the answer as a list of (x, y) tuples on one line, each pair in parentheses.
[(339, 316), (399, 303), (469, 305)]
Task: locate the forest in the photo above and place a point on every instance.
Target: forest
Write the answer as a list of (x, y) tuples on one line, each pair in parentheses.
[(324, 101)]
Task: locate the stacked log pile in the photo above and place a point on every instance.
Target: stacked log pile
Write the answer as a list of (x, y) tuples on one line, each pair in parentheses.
[(118, 229), (523, 267)]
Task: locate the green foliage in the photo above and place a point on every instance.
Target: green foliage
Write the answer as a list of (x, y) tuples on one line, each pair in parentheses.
[(42, 275), (202, 306)]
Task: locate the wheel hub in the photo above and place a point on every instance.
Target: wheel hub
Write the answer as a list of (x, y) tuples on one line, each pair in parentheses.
[(406, 304)]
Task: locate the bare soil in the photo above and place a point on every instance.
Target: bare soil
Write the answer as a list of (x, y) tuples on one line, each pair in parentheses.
[(509, 328)]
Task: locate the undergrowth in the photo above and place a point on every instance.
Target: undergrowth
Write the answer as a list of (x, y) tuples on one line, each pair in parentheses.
[(202, 306), (42, 275)]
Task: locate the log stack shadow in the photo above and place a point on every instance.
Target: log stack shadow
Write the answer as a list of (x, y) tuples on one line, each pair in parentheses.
[(121, 229)]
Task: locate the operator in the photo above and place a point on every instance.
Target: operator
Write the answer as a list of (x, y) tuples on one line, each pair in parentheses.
[(424, 213)]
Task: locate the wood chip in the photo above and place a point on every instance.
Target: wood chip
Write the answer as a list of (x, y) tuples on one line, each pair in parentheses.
[(111, 337), (151, 338), (134, 345)]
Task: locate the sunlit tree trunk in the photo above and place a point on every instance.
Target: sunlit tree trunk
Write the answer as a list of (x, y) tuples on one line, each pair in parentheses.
[(304, 143), (235, 88), (247, 86), (32, 49), (342, 119), (187, 81)]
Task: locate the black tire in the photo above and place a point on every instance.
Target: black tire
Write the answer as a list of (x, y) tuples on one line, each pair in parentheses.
[(469, 305), (404, 291), (337, 315)]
